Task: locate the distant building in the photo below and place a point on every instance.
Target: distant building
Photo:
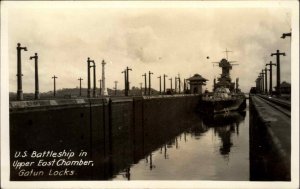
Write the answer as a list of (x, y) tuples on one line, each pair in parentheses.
[(196, 82), (285, 88)]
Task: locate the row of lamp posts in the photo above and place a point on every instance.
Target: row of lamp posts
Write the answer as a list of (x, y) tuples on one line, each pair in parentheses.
[(261, 81), (90, 92), (36, 77)]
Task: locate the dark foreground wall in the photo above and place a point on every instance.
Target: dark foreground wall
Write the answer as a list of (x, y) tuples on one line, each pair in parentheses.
[(267, 162), (90, 139)]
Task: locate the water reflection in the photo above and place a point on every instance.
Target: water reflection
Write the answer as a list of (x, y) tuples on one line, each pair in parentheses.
[(224, 126), (197, 143)]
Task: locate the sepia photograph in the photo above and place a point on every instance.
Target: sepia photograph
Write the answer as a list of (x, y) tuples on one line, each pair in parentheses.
[(149, 94)]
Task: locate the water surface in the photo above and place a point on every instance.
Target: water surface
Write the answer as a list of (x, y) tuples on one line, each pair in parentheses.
[(210, 149)]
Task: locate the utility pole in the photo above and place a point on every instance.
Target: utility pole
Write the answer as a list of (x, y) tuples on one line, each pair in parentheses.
[(165, 83), (145, 90), (270, 86), (36, 74), (116, 83), (159, 84), (80, 79), (150, 73), (54, 79), (278, 54), (19, 71), (127, 79)]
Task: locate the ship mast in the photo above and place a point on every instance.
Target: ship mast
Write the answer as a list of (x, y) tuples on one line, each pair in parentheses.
[(227, 51)]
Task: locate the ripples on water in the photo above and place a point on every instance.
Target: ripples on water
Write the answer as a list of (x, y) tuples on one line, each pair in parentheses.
[(211, 149)]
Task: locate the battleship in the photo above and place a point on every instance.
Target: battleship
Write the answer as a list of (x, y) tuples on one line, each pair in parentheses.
[(226, 95)]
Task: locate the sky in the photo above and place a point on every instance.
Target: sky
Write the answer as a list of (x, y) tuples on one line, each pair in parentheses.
[(163, 40)]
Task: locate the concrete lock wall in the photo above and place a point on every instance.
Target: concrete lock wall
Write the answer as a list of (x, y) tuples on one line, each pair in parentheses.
[(267, 163), (114, 132)]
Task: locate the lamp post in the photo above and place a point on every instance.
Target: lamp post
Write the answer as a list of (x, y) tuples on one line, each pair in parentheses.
[(141, 86), (145, 90), (104, 92), (19, 72), (127, 80), (270, 86), (284, 35), (266, 80), (184, 86), (175, 84), (88, 77), (116, 83), (179, 86), (278, 54), (54, 90), (100, 81), (36, 76), (159, 84), (150, 73), (262, 81), (257, 83), (94, 78), (165, 83), (80, 79), (171, 84)]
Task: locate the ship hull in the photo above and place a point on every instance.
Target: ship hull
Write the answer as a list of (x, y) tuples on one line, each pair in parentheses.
[(221, 106)]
